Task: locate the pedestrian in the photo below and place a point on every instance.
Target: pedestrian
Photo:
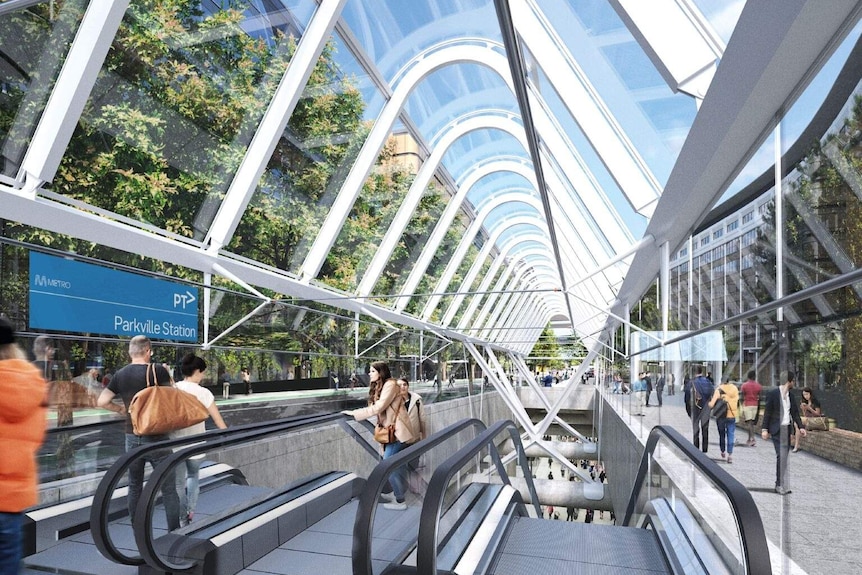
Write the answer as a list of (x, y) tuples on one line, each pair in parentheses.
[(648, 382), (23, 403), (639, 389), (725, 418), (126, 382), (701, 392), (779, 415), (751, 405), (193, 369), (386, 403), (659, 389), (246, 379)]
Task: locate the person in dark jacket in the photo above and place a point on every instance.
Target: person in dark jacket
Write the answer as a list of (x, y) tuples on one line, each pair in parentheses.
[(780, 413), (702, 390)]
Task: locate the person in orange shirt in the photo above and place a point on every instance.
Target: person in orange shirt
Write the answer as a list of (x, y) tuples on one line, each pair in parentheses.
[(23, 403)]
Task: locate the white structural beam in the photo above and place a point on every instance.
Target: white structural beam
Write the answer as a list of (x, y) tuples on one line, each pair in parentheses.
[(686, 59), (45, 214), (488, 54), (777, 48), (71, 90), (501, 259), (496, 232), (461, 252), (272, 124), (596, 121)]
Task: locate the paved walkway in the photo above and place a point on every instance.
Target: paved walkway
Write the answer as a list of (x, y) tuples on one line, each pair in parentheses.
[(816, 529)]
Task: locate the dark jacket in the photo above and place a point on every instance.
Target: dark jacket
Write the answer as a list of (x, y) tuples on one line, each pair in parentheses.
[(772, 411)]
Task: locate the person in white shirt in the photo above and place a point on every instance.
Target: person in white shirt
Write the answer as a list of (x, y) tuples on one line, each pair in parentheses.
[(188, 482)]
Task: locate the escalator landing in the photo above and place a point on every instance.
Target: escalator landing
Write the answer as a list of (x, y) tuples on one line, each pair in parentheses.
[(543, 546)]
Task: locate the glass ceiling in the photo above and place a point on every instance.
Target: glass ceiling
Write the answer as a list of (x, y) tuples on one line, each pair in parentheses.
[(370, 155)]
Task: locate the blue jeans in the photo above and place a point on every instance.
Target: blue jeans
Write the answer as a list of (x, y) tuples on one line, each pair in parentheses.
[(726, 428), (170, 499), (398, 477), (189, 485), (10, 542)]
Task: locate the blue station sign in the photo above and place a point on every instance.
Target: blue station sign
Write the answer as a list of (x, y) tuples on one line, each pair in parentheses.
[(71, 296)]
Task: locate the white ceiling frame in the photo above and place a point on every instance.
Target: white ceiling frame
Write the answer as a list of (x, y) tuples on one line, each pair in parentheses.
[(606, 136), (686, 59), (273, 123)]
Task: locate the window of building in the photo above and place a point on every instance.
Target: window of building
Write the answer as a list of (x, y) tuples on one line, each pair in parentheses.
[(747, 218), (749, 237), (732, 226), (683, 252), (704, 240), (717, 234)]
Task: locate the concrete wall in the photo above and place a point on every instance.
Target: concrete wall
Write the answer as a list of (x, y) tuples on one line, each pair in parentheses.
[(621, 452), (581, 399), (279, 460)]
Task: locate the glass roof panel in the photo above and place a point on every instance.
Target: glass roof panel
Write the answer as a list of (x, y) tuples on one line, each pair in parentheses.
[(305, 173), (391, 33), (29, 69), (174, 108)]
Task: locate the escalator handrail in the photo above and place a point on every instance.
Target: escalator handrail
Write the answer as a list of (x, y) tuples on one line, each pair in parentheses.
[(362, 528), (429, 522), (749, 522), (143, 524), (99, 512)]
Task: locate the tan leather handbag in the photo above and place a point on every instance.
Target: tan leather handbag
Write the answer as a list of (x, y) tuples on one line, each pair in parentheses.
[(158, 409)]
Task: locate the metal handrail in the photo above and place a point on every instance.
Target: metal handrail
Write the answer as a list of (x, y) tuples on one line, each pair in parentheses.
[(754, 545), (362, 528), (429, 523), (143, 524), (99, 512)]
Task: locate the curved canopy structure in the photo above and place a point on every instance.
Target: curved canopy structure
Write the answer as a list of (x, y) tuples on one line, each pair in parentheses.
[(469, 168)]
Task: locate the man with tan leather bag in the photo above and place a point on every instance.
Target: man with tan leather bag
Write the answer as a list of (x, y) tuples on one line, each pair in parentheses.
[(128, 381)]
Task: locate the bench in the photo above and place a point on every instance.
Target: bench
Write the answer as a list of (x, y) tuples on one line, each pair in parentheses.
[(838, 445)]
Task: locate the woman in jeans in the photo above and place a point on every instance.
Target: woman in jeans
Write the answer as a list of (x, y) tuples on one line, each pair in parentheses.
[(728, 392), (188, 481), (388, 405)]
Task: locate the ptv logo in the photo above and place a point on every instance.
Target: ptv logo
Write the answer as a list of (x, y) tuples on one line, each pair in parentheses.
[(184, 299)]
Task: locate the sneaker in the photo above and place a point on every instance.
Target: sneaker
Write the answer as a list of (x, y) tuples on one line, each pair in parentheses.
[(190, 516), (722, 455), (396, 506), (781, 490), (730, 459), (387, 497)]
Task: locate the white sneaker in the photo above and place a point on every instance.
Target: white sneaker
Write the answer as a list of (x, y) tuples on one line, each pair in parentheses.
[(396, 506), (387, 497)]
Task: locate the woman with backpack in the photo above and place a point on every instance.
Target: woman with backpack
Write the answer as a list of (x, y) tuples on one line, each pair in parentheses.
[(725, 406)]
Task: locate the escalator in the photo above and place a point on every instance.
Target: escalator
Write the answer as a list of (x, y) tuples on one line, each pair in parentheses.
[(270, 503), (685, 516)]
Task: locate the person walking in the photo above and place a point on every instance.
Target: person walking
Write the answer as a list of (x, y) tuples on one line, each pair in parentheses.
[(193, 369), (725, 417), (128, 381), (246, 380), (639, 390), (701, 391), (659, 389), (750, 404), (23, 408), (648, 382), (386, 403), (413, 407), (780, 413)]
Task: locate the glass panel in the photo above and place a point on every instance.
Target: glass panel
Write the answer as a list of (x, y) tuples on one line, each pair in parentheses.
[(174, 109), (29, 69)]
